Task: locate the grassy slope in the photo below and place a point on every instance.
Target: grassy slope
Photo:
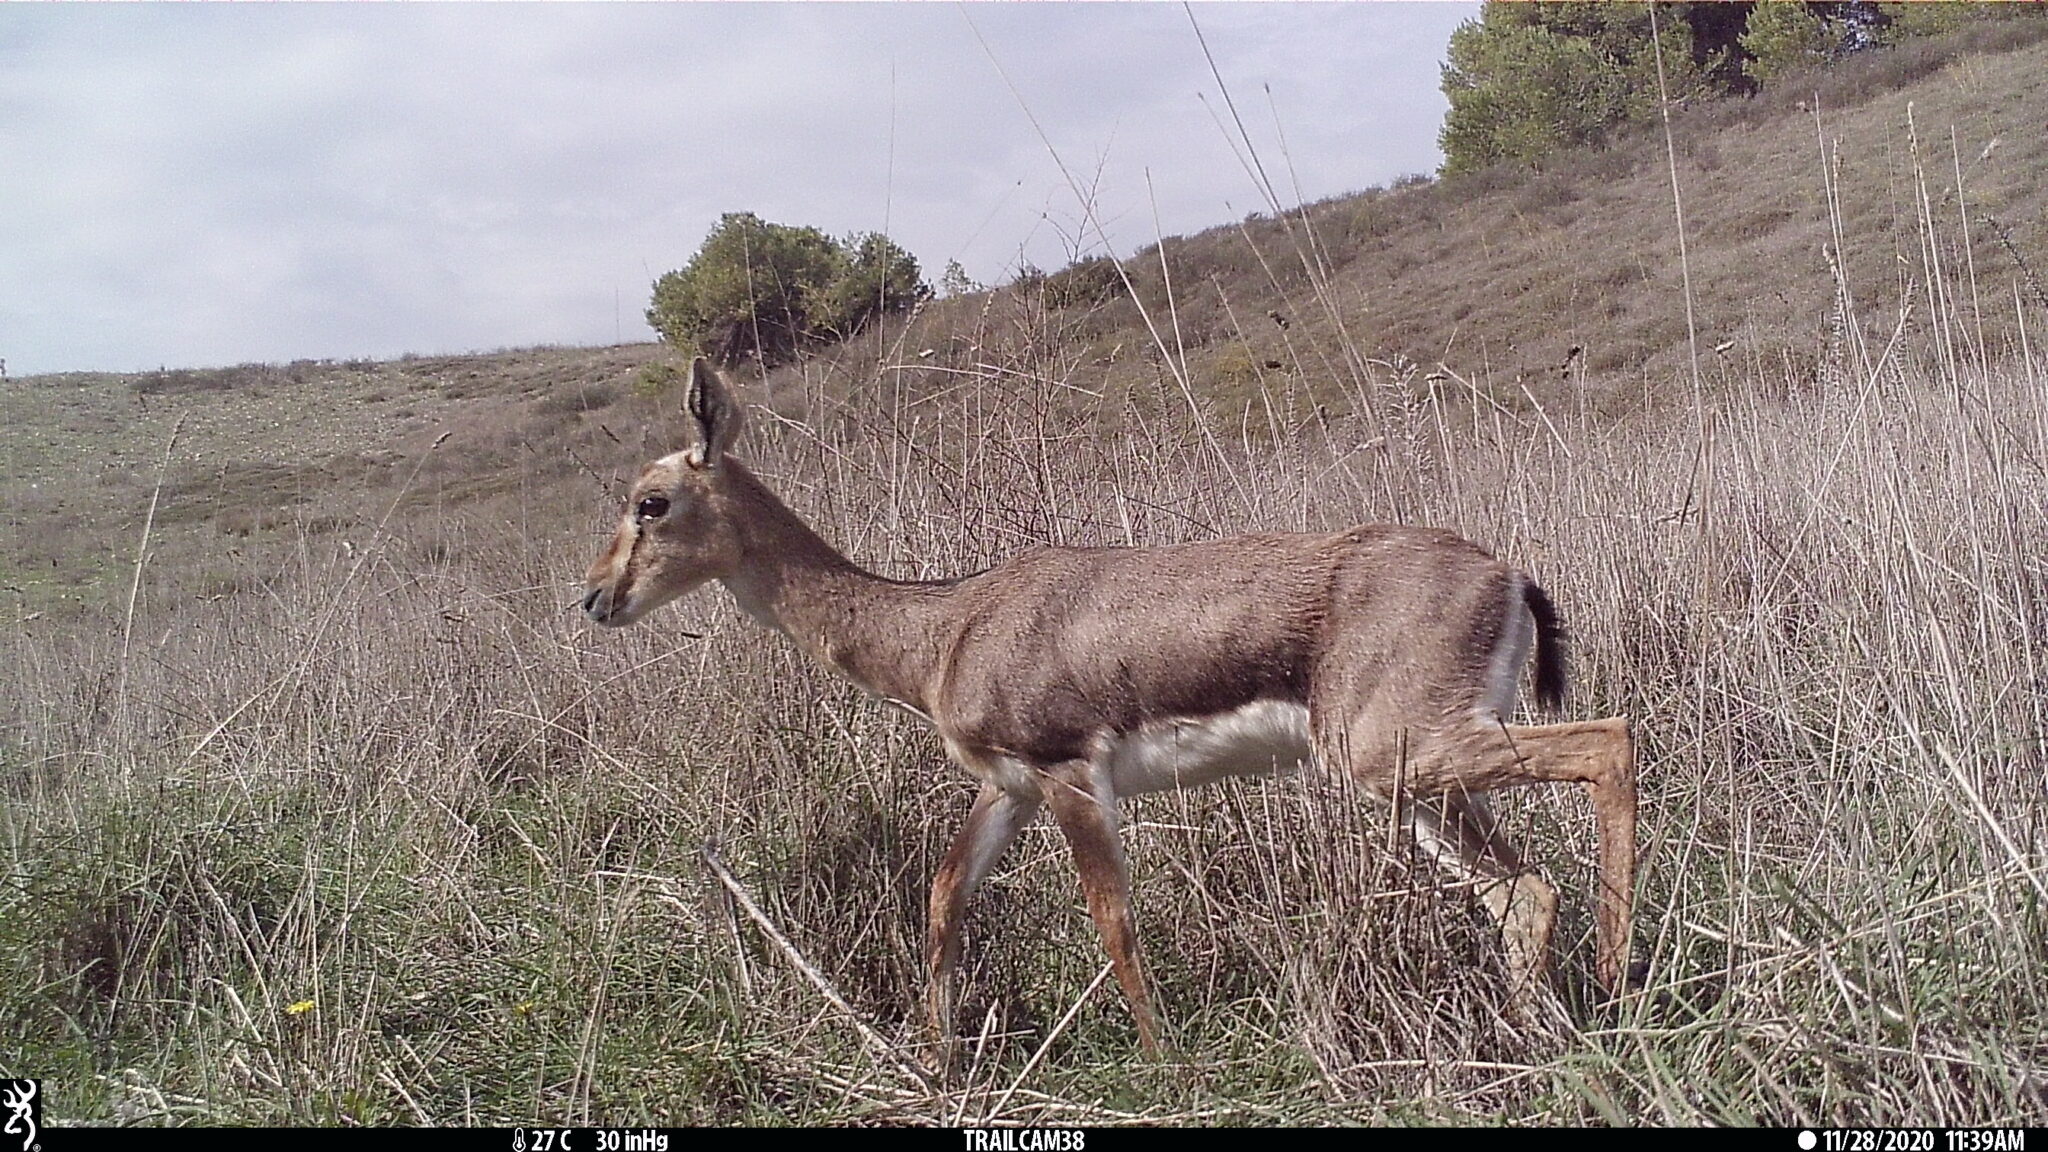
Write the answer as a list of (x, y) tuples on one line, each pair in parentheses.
[(351, 749), (1502, 275)]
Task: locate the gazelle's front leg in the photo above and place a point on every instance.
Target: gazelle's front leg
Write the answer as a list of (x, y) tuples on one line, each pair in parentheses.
[(1084, 803), (992, 824)]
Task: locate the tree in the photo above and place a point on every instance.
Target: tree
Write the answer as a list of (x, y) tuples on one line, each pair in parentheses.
[(878, 278), (956, 281), (1518, 93), (1526, 80), (1898, 23), (1084, 283), (765, 291), (1783, 35)]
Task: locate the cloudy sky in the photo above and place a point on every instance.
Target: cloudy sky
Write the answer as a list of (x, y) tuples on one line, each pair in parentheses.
[(189, 185)]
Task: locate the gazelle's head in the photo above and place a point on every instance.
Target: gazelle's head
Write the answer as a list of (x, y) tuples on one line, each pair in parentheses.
[(679, 527)]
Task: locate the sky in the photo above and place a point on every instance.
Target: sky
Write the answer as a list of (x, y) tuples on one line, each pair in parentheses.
[(188, 185)]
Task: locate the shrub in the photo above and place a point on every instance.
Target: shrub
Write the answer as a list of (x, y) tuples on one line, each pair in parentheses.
[(1783, 36), (656, 378), (1084, 284), (1525, 80), (877, 278), (765, 291)]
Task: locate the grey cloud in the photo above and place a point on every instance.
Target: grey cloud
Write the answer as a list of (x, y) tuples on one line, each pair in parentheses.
[(203, 184)]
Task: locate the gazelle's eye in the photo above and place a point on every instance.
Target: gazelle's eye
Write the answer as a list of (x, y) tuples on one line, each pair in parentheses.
[(652, 508)]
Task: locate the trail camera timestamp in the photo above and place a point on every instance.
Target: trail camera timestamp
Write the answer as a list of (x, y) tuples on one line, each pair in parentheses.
[(1916, 1140), (1985, 1140)]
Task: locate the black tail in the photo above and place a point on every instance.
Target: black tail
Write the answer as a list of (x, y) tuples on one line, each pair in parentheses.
[(1550, 672)]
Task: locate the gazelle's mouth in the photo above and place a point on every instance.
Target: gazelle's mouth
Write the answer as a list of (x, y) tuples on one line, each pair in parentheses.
[(604, 607)]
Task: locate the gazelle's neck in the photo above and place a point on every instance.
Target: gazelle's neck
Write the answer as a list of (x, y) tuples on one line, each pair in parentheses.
[(879, 633)]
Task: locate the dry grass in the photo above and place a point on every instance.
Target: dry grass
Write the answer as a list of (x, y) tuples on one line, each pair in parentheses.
[(407, 786), (358, 824), (1502, 273)]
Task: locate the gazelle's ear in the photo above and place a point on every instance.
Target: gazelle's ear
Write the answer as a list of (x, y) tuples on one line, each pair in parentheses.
[(716, 412)]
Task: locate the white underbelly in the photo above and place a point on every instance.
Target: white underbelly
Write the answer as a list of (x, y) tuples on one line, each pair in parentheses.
[(1262, 738)]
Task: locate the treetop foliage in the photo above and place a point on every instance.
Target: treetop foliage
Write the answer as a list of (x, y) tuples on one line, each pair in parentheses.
[(765, 291), (1781, 37), (1527, 80)]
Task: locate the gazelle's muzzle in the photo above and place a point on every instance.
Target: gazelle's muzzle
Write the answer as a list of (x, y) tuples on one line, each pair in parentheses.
[(605, 593), (603, 604)]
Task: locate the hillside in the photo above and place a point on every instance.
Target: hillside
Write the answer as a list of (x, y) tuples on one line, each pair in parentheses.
[(1498, 277), (1503, 274)]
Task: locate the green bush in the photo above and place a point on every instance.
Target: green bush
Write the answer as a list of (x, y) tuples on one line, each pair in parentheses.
[(765, 291), (1526, 80), (657, 379), (1782, 35), (876, 278), (1083, 284), (956, 281)]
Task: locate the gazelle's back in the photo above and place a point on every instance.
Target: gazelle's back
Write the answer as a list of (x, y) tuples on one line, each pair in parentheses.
[(1059, 647)]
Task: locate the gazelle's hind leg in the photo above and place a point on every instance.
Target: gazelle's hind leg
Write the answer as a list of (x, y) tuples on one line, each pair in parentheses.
[(1601, 755), (1459, 832), (1457, 829), (992, 824), (1083, 802)]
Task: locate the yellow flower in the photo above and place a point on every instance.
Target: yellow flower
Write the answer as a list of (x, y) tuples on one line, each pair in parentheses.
[(299, 1009)]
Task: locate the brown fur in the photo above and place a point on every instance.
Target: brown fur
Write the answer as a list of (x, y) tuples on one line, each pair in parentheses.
[(1387, 635)]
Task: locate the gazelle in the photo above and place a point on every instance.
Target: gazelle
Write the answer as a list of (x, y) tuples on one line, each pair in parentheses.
[(1068, 678)]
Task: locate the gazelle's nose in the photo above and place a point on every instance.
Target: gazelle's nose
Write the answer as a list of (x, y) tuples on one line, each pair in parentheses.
[(596, 604)]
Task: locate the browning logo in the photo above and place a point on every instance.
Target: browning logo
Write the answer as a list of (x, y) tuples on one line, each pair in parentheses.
[(21, 1115)]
